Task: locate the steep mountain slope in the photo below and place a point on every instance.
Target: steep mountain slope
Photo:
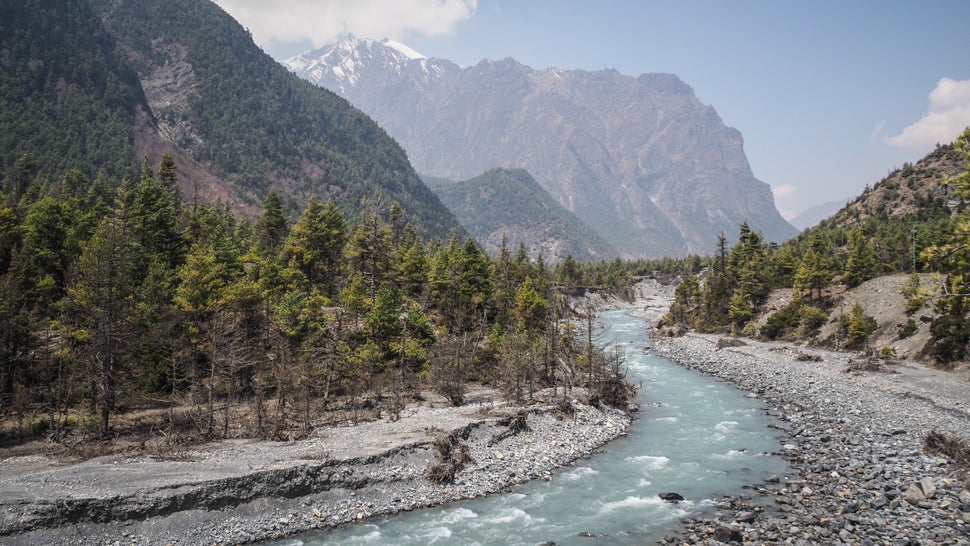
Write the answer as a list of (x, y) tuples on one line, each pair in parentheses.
[(184, 77), (641, 160), (67, 94), (510, 204), (912, 193)]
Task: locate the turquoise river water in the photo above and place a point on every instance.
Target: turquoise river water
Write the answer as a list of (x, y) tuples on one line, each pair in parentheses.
[(695, 436)]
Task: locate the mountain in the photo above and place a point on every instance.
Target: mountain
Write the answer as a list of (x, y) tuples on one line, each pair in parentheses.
[(813, 215), (509, 205), (68, 97), (640, 160), (908, 195), (98, 85)]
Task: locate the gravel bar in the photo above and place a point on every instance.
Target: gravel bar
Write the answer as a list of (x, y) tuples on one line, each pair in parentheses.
[(242, 492), (854, 441)]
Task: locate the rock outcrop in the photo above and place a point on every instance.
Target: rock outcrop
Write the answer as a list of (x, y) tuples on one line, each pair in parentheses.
[(640, 160)]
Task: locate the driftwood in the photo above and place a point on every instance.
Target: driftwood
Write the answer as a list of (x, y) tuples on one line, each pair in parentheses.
[(514, 425), (452, 454)]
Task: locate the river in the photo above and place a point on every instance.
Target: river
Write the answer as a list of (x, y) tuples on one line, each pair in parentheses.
[(695, 436)]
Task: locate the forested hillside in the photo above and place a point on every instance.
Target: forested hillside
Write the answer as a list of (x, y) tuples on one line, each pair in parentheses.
[(99, 85), (507, 206), (913, 221), (136, 299), (68, 96)]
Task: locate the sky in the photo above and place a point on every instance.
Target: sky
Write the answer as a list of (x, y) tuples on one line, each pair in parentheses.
[(829, 95)]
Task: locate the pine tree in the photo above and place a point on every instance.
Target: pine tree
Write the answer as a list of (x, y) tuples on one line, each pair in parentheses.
[(272, 227), (152, 217), (717, 289), (860, 266), (315, 245), (104, 303), (812, 275)]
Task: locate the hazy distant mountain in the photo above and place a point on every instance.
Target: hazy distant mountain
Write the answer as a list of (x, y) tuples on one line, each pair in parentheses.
[(640, 160), (510, 204), (813, 215)]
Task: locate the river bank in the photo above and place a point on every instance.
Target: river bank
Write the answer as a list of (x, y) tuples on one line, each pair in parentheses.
[(860, 474), (242, 491), (239, 492)]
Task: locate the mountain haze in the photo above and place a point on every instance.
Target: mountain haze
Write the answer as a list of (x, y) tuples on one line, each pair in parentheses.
[(813, 215), (640, 160), (509, 205)]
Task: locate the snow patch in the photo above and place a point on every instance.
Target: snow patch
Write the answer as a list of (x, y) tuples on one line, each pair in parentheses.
[(402, 49)]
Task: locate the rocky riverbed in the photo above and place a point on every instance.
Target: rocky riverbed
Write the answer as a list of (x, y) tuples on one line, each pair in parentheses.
[(859, 471), (240, 492)]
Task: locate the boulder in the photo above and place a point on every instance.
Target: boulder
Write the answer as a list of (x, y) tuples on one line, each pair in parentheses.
[(671, 497), (727, 534)]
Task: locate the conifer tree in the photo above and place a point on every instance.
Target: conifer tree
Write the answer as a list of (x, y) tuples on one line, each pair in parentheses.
[(315, 245), (272, 227), (813, 274), (861, 265), (104, 304), (717, 289)]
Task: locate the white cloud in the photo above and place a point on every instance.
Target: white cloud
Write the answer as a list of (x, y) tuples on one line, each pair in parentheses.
[(321, 22), (783, 190), (948, 116)]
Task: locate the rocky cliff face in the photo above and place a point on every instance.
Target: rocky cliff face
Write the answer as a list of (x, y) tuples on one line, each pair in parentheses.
[(640, 160)]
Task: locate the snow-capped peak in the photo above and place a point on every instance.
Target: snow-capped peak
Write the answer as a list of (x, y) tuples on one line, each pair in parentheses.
[(341, 66), (402, 48)]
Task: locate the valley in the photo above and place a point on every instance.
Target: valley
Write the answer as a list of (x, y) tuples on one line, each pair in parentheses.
[(237, 305)]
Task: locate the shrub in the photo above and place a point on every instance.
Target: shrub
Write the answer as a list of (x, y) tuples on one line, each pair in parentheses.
[(782, 320), (951, 336), (810, 319), (907, 329), (857, 325), (913, 294)]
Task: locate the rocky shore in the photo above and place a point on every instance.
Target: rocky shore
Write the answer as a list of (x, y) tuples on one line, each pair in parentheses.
[(859, 471), (241, 492)]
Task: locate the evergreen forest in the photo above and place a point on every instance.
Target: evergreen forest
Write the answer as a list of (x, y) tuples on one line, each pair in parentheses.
[(118, 296)]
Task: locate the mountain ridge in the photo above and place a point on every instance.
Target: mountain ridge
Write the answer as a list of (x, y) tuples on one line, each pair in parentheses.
[(640, 160), (508, 207)]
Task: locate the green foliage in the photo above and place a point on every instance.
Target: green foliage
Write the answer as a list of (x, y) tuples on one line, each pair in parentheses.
[(913, 292), (272, 227), (951, 331), (861, 263), (951, 328), (686, 299), (194, 306), (908, 328), (509, 203), (813, 273), (857, 325), (315, 245), (67, 94), (810, 319), (256, 121), (784, 320)]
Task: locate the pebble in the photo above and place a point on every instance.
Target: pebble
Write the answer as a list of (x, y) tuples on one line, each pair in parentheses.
[(387, 484), (858, 474)]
